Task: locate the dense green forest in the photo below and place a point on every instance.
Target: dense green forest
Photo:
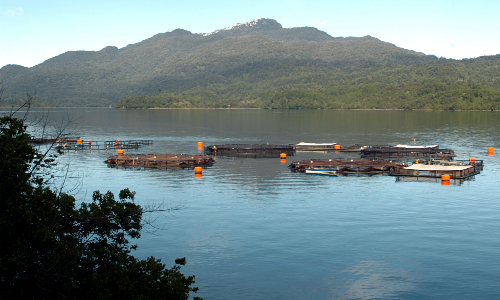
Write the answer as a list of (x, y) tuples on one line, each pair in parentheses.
[(258, 65), (440, 86)]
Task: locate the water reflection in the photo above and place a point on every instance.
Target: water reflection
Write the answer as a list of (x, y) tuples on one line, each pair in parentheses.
[(376, 280)]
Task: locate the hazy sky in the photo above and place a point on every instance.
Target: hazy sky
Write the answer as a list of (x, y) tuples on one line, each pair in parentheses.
[(32, 31)]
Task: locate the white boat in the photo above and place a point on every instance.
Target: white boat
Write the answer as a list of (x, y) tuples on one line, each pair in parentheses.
[(322, 171)]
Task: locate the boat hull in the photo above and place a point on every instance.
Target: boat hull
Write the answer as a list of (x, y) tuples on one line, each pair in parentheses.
[(331, 172)]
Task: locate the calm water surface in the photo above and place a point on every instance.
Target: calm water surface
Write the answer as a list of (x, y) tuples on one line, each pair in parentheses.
[(251, 229)]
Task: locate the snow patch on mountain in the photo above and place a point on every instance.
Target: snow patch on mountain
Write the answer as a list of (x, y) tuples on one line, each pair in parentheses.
[(257, 23)]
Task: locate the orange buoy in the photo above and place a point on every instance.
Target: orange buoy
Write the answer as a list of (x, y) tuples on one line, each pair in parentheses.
[(79, 141), (120, 152), (283, 155), (337, 147), (198, 170), (200, 144), (445, 177), (472, 160), (491, 151)]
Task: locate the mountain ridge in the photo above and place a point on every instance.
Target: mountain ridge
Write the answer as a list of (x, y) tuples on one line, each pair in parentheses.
[(258, 57)]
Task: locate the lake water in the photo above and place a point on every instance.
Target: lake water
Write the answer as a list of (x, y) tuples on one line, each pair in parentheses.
[(252, 229)]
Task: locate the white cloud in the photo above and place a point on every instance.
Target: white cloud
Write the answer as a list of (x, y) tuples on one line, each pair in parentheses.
[(13, 12)]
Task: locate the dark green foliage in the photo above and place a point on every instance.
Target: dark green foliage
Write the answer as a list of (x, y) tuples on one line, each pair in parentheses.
[(438, 86), (51, 249), (251, 66)]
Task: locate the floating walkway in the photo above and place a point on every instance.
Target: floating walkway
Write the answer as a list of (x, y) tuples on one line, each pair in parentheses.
[(407, 151), (159, 160), (103, 145), (250, 150), (346, 166)]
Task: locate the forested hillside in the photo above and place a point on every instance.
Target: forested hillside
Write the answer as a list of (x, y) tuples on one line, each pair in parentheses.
[(259, 64)]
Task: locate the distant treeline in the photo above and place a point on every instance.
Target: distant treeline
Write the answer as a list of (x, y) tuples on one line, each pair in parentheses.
[(461, 85)]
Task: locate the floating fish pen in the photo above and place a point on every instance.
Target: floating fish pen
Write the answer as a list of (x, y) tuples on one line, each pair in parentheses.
[(430, 179), (128, 142), (407, 151), (346, 166), (315, 146), (353, 148), (455, 170), (472, 161), (52, 140), (103, 145), (250, 150), (359, 147), (159, 160)]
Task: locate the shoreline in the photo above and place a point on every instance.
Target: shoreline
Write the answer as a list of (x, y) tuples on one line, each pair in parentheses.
[(254, 108)]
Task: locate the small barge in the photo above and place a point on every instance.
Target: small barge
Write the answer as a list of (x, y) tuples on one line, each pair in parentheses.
[(436, 169), (159, 160), (250, 150)]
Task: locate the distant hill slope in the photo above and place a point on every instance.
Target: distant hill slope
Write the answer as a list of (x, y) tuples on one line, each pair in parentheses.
[(257, 64)]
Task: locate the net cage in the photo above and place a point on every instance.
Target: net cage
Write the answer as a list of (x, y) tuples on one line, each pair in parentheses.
[(250, 150), (159, 160), (347, 165)]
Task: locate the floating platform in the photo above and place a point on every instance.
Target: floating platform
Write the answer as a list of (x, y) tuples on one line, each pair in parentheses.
[(407, 151), (103, 145), (347, 166), (456, 169), (250, 150), (315, 146), (159, 160)]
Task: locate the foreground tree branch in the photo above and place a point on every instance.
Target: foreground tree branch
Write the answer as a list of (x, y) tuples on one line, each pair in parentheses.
[(51, 249)]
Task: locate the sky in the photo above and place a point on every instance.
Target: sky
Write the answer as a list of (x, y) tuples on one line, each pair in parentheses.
[(32, 31)]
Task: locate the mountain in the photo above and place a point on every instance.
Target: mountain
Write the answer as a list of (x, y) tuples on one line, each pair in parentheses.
[(246, 65)]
